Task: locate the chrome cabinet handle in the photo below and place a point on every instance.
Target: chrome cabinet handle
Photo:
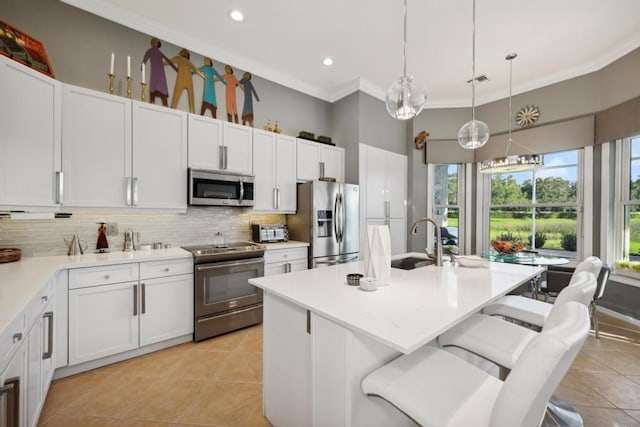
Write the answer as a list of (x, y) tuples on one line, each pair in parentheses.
[(387, 209), (308, 322), (144, 299), (60, 187), (226, 153), (128, 184), (11, 403), (47, 354), (321, 169), (135, 300), (221, 156), (136, 192), (44, 298), (275, 198), (278, 198), (17, 337)]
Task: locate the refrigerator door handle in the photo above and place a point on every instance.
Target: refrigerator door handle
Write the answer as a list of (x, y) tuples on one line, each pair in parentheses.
[(336, 231)]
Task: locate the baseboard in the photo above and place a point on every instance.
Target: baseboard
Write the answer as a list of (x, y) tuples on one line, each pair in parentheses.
[(619, 316)]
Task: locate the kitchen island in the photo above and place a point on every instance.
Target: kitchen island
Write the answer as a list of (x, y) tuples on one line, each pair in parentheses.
[(321, 337)]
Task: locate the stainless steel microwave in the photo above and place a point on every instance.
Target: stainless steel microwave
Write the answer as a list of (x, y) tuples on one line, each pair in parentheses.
[(210, 188)]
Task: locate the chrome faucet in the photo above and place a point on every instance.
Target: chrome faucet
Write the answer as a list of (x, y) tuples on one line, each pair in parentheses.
[(438, 254)]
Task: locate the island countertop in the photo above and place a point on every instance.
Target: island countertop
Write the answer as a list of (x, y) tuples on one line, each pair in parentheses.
[(414, 309)]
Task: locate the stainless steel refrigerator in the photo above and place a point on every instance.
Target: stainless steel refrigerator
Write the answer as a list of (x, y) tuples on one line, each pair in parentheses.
[(328, 219)]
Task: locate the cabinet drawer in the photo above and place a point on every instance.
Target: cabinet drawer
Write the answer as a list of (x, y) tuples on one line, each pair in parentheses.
[(11, 339), (95, 276), (164, 268), (38, 304), (280, 255)]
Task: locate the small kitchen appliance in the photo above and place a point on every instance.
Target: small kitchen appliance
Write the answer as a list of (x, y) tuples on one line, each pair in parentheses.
[(269, 233)]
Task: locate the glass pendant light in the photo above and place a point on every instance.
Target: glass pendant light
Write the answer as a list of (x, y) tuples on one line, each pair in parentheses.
[(517, 162), (473, 134), (405, 99)]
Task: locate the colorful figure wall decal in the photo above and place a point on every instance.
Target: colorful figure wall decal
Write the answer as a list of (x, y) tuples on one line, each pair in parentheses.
[(157, 79), (211, 75), (184, 79), (231, 83), (249, 92)]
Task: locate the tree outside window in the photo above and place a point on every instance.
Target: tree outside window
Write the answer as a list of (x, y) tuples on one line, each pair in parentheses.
[(631, 202), (446, 207), (539, 208)]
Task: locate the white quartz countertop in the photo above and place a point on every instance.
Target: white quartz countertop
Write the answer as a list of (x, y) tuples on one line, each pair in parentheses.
[(414, 309), (22, 280), (286, 245)]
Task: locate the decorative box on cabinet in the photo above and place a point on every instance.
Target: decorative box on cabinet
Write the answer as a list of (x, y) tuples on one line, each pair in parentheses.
[(274, 166), (30, 135), (315, 161)]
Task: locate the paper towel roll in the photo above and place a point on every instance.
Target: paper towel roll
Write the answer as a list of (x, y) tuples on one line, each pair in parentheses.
[(377, 257)]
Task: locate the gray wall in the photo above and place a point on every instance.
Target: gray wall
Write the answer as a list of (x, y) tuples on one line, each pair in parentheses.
[(344, 129), (377, 128)]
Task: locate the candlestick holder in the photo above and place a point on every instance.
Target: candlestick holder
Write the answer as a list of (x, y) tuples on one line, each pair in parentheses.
[(111, 77), (129, 87), (143, 94)]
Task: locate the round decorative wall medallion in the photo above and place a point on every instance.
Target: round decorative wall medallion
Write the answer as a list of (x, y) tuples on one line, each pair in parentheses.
[(527, 116)]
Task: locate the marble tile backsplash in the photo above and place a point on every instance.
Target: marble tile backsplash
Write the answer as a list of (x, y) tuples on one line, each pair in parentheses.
[(197, 226)]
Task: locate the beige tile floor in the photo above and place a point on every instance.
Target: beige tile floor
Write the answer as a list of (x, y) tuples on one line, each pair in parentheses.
[(218, 382)]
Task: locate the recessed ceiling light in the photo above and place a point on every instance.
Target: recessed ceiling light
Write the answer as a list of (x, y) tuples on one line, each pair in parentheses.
[(327, 61), (236, 15)]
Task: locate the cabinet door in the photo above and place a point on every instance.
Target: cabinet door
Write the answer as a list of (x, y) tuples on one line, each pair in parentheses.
[(264, 165), (275, 268), (397, 230), (238, 143), (333, 160), (34, 370), (286, 173), (287, 363), (29, 136), (159, 157), (376, 190), (298, 265), (396, 184), (96, 148), (103, 320), (166, 308), (307, 160), (13, 381), (205, 141)]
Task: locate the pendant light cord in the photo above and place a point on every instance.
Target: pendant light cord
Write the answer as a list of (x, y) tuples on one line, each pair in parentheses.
[(510, 57), (473, 63), (404, 44)]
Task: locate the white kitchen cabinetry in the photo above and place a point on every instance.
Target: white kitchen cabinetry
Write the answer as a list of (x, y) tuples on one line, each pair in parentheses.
[(103, 134), (285, 260), (29, 137), (160, 157), (274, 166), (316, 160), (13, 381), (115, 308), (220, 146), (383, 181)]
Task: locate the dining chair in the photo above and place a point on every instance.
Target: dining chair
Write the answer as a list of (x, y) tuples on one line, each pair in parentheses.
[(436, 388), (532, 311), (603, 279)]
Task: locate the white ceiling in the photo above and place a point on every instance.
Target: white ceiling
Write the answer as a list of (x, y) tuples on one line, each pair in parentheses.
[(285, 40)]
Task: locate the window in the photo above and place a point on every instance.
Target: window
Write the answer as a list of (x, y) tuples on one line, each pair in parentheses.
[(539, 208), (630, 198), (447, 200)]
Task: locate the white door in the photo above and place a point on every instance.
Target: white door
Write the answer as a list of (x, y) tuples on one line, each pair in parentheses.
[(264, 165), (96, 148), (16, 374), (286, 173), (34, 369), (376, 183), (205, 142), (333, 160), (238, 146), (166, 308), (29, 136), (397, 231), (396, 185), (159, 157), (103, 320), (307, 160)]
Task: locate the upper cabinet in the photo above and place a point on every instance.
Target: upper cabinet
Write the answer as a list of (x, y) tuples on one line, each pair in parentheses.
[(119, 153), (220, 146), (316, 160), (29, 138), (274, 166)]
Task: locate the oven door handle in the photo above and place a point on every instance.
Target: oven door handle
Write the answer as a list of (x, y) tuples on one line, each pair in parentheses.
[(223, 264)]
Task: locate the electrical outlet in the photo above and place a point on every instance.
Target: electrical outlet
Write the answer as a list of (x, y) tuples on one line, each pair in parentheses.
[(112, 229)]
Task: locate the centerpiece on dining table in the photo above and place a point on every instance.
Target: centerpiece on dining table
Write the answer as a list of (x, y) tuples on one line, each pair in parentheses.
[(507, 248)]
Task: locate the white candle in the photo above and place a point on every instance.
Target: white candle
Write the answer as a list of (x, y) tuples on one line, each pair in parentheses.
[(128, 66), (143, 73), (113, 58)]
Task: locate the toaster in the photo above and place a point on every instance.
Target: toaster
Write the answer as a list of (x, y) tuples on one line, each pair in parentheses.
[(269, 233)]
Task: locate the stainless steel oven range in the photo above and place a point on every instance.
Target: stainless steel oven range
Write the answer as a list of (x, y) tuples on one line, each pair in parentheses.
[(224, 300)]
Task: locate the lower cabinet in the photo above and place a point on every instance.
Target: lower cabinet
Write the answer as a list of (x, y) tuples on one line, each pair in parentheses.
[(285, 260), (13, 387), (109, 318)]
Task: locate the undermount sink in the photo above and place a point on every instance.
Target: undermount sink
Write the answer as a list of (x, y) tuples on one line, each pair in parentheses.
[(409, 263)]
